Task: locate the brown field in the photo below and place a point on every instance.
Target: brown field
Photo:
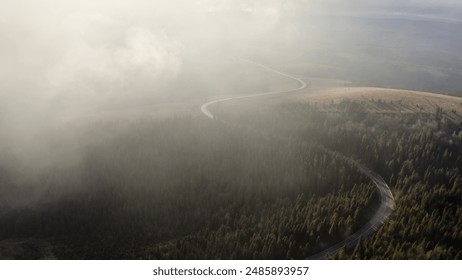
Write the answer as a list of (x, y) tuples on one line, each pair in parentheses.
[(382, 100)]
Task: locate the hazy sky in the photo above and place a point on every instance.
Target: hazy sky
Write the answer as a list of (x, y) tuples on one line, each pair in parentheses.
[(98, 48), (56, 43), (86, 52)]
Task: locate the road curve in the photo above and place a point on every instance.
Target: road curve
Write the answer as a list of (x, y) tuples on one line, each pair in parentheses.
[(387, 205), (204, 107), (387, 202)]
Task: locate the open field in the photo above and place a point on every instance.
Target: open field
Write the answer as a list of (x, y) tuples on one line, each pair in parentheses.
[(383, 101), (398, 100)]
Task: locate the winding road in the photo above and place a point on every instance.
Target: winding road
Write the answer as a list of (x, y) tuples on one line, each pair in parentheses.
[(387, 204), (204, 107)]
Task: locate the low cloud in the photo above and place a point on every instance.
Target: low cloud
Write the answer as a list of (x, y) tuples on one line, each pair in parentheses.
[(102, 59), (64, 59)]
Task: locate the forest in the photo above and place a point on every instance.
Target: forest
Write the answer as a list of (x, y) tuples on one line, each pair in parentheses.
[(418, 154), (189, 188), (259, 185)]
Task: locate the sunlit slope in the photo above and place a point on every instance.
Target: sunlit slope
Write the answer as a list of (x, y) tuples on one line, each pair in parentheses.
[(388, 100)]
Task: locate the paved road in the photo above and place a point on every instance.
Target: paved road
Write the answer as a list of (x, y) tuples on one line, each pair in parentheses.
[(204, 107), (387, 204)]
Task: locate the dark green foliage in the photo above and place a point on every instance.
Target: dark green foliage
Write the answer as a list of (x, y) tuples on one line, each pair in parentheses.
[(258, 188), (192, 188), (421, 160)]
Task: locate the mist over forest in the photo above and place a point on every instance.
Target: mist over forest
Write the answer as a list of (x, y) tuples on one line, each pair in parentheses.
[(100, 112)]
